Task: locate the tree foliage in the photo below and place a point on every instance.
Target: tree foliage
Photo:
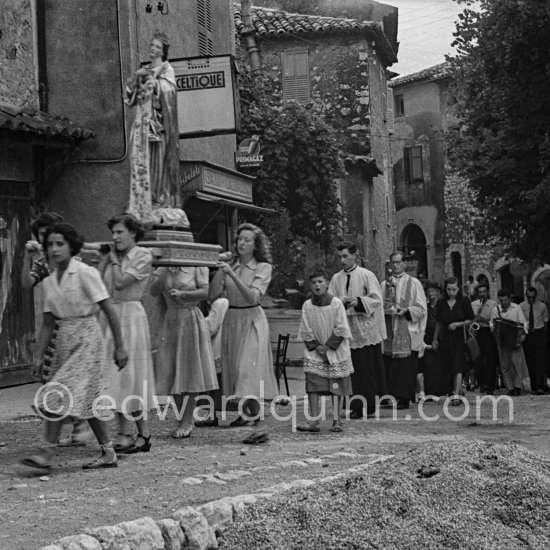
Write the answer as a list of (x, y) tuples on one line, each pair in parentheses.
[(301, 163), (502, 75)]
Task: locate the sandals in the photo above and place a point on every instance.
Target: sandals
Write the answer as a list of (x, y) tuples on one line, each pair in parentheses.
[(182, 433), (103, 461), (133, 449), (255, 438), (455, 402), (118, 447), (238, 422), (37, 461), (41, 460), (308, 427), (337, 427)]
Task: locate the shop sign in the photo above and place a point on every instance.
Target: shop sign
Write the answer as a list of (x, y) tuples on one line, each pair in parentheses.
[(248, 154), (205, 96)]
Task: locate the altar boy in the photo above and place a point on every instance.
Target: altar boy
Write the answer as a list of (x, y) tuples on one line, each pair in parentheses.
[(325, 332)]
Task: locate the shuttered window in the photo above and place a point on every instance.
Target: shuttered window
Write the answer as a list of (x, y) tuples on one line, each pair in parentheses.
[(413, 164), (399, 104), (389, 109), (204, 17), (296, 83)]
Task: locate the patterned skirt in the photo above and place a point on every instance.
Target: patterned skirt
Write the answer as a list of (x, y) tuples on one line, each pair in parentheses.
[(79, 370)]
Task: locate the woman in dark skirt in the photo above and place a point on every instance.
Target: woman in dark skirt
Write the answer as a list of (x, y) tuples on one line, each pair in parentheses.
[(454, 314)]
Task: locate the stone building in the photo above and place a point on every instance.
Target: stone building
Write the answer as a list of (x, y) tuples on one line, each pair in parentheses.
[(437, 221), (340, 64), (34, 149)]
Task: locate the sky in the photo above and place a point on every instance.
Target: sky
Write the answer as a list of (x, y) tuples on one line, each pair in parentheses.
[(425, 32)]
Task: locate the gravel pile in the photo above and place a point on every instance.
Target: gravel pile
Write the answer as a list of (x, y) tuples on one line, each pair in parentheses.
[(460, 495)]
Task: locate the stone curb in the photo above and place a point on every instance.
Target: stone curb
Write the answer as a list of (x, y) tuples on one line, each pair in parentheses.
[(189, 528)]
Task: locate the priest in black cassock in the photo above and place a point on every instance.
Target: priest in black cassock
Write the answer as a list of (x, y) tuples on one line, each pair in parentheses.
[(360, 291)]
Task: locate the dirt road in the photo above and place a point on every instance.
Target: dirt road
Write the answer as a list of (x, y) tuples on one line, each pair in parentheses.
[(213, 463)]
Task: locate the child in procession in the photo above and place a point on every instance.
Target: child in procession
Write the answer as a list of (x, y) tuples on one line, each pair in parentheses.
[(325, 332)]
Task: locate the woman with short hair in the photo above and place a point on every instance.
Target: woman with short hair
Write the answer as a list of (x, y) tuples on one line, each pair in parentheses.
[(73, 295), (126, 269)]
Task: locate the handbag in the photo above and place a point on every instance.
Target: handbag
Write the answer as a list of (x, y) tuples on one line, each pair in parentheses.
[(472, 351)]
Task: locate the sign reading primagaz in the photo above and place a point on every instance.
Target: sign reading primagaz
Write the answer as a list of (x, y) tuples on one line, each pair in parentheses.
[(248, 154)]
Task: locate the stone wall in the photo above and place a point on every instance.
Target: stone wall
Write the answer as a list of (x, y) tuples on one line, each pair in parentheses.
[(18, 71), (349, 83), (380, 232), (461, 232)]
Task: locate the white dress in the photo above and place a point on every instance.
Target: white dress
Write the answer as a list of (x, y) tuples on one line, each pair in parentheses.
[(137, 377)]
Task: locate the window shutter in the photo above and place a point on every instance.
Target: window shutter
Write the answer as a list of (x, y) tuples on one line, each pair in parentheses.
[(416, 164), (389, 109), (407, 164), (204, 17), (413, 168), (388, 210), (296, 83)]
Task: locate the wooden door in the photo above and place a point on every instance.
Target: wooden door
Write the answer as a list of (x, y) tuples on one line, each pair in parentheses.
[(16, 305)]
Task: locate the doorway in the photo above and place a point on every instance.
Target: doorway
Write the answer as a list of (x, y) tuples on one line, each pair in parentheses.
[(414, 247)]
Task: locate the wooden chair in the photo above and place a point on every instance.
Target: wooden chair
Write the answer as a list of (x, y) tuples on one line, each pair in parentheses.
[(281, 361)]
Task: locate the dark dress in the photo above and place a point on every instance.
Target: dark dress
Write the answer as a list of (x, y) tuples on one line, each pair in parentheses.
[(452, 341), (436, 379)]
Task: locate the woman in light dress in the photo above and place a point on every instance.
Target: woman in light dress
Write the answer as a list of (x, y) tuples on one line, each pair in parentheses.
[(73, 295), (185, 366), (126, 269), (247, 362)]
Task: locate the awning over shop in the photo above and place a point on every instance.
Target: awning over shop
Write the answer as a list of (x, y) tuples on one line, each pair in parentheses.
[(233, 203)]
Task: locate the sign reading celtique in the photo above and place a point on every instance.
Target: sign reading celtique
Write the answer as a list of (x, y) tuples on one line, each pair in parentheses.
[(205, 95)]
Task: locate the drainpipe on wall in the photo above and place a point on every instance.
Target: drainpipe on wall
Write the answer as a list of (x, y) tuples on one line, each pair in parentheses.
[(250, 39), (41, 61)]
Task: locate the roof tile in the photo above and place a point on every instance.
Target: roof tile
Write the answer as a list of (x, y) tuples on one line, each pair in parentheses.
[(38, 122), (271, 23), (435, 72)]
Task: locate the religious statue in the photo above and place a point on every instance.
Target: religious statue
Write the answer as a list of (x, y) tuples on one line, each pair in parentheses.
[(154, 151)]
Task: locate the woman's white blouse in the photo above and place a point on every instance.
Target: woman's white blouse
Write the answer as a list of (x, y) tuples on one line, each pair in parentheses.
[(78, 292)]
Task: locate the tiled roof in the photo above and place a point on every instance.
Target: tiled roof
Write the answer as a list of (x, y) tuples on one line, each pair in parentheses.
[(272, 23), (436, 72), (40, 123)]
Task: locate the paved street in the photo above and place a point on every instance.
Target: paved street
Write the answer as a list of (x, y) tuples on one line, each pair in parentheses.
[(213, 463)]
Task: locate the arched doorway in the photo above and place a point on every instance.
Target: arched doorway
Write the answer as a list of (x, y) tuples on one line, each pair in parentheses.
[(413, 244), (514, 283)]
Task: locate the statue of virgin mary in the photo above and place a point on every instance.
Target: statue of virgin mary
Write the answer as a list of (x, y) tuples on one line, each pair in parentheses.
[(154, 151)]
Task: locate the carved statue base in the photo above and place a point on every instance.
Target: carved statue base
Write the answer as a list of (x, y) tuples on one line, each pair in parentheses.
[(169, 235), (171, 242), (181, 253)]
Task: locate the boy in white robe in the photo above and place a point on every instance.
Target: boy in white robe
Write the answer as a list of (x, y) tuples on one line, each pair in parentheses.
[(325, 332)]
